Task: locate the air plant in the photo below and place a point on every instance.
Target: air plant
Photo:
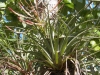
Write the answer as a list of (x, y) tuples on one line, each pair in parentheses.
[(51, 41)]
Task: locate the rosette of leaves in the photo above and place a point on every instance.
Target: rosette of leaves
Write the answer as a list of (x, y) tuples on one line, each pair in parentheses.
[(54, 46)]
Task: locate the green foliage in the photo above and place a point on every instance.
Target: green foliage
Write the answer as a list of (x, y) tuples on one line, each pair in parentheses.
[(68, 3), (43, 46), (79, 4)]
